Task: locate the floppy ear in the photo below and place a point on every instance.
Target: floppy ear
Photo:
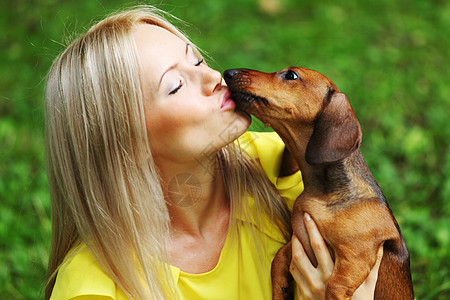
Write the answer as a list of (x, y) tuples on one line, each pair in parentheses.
[(336, 134)]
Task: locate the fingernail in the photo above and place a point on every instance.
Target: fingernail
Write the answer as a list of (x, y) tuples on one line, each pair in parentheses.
[(307, 217)]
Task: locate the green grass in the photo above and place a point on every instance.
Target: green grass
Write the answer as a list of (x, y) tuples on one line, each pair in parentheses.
[(389, 56)]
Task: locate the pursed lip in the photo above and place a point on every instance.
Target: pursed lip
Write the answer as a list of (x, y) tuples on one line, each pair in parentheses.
[(227, 103)]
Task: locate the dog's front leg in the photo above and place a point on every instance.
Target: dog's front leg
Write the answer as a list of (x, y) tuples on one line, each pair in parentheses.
[(349, 273), (282, 281)]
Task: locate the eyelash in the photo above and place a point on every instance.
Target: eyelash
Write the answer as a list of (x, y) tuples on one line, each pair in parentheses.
[(199, 62), (174, 91)]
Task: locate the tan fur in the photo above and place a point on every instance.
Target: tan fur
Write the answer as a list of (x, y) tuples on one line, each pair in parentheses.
[(320, 129)]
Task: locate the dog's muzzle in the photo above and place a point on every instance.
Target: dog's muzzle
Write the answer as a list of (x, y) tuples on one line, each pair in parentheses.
[(238, 82)]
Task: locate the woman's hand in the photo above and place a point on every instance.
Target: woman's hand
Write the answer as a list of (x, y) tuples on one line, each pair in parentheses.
[(311, 281)]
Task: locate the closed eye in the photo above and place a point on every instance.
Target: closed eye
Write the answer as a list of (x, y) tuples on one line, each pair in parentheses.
[(180, 85), (199, 62), (175, 90)]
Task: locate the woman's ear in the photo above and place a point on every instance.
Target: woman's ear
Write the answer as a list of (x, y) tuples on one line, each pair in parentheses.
[(336, 134)]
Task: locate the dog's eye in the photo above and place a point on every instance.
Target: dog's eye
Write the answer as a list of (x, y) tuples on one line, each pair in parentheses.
[(290, 75)]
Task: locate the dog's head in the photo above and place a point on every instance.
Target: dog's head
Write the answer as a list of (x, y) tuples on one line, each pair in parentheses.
[(300, 98)]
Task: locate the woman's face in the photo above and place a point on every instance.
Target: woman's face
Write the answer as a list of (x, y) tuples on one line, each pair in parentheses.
[(188, 111)]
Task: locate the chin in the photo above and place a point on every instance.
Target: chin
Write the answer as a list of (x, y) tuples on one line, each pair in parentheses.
[(233, 130), (242, 122), (245, 116)]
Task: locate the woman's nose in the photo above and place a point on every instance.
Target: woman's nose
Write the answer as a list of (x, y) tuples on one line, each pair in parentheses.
[(212, 80)]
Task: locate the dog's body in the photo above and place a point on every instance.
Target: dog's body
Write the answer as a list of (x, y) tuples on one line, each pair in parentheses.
[(321, 131)]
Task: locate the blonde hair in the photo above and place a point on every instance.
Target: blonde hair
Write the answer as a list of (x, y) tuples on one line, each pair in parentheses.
[(104, 186)]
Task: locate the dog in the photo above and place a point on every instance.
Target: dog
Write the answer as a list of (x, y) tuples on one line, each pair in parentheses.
[(319, 127)]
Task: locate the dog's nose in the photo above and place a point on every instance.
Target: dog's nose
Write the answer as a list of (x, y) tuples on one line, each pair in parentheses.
[(230, 73)]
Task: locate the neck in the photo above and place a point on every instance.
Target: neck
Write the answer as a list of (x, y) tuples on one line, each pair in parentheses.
[(195, 195), (318, 179), (296, 144), (346, 180)]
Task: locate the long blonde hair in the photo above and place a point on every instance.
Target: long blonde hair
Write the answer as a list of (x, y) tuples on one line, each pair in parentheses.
[(104, 186)]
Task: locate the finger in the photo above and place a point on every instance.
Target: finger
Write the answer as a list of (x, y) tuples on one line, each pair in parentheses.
[(373, 275), (367, 288), (379, 256), (300, 265), (302, 284), (300, 259), (318, 244), (309, 279)]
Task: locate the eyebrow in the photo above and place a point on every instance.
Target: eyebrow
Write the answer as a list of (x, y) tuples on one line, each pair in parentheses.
[(173, 66)]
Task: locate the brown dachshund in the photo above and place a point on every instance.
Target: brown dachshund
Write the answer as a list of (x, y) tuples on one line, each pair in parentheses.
[(321, 131)]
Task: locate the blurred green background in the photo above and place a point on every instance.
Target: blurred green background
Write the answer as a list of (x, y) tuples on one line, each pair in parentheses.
[(391, 57)]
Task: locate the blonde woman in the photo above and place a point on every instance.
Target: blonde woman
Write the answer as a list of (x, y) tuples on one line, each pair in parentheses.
[(156, 191)]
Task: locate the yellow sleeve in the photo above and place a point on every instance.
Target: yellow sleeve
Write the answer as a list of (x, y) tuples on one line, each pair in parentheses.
[(268, 148), (81, 277)]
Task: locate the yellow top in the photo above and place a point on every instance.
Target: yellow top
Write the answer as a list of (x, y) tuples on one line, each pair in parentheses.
[(239, 274)]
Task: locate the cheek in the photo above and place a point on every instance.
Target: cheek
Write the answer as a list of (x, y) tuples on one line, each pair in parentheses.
[(168, 126), (164, 133), (163, 125)]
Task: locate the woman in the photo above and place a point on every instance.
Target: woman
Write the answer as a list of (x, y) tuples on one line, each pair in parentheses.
[(153, 194)]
